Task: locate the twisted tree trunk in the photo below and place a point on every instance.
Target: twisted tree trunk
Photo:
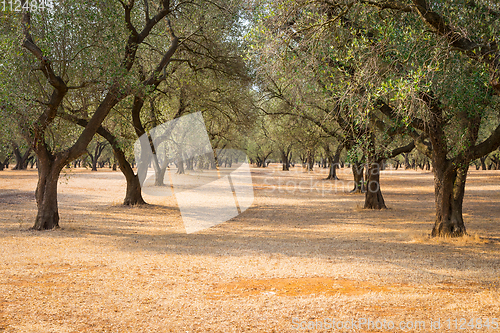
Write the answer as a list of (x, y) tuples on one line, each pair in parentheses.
[(449, 185), (49, 169), (284, 160), (21, 159), (5, 163), (374, 198), (357, 172), (334, 163)]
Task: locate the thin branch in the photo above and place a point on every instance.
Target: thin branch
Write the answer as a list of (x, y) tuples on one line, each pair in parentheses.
[(128, 19), (146, 10), (488, 145)]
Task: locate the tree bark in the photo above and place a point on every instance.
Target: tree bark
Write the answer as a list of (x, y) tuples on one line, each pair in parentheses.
[(97, 154), (332, 174), (21, 159), (189, 165), (284, 160), (133, 196), (334, 163), (373, 195), (180, 164), (310, 160), (49, 169), (449, 184), (357, 172), (160, 176), (449, 174), (4, 164), (32, 161)]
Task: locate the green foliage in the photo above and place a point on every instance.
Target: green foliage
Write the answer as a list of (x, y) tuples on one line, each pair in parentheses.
[(353, 55)]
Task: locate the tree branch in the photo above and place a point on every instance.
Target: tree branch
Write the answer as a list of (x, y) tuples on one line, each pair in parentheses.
[(60, 88), (128, 20), (483, 53), (488, 145), (405, 149)]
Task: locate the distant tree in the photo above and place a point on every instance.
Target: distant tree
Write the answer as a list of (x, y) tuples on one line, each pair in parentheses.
[(5, 155), (95, 151)]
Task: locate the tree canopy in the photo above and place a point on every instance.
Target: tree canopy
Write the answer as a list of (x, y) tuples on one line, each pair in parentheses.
[(308, 80)]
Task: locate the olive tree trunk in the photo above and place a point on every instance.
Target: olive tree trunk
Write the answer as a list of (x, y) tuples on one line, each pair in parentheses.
[(49, 169), (285, 160), (373, 195), (160, 175), (334, 163), (449, 187), (357, 172), (21, 159)]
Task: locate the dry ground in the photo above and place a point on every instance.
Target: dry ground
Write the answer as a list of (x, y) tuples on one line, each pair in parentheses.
[(303, 250)]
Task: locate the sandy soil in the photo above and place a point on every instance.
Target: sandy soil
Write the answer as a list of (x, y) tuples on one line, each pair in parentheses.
[(304, 252)]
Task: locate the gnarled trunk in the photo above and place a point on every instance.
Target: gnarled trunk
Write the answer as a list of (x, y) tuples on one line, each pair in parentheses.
[(21, 159), (4, 164), (99, 148), (483, 162), (333, 170), (310, 160), (449, 186), (407, 161), (189, 165), (46, 194), (357, 172), (94, 164), (334, 163), (160, 176), (159, 170), (133, 196), (373, 195), (285, 161), (180, 166)]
